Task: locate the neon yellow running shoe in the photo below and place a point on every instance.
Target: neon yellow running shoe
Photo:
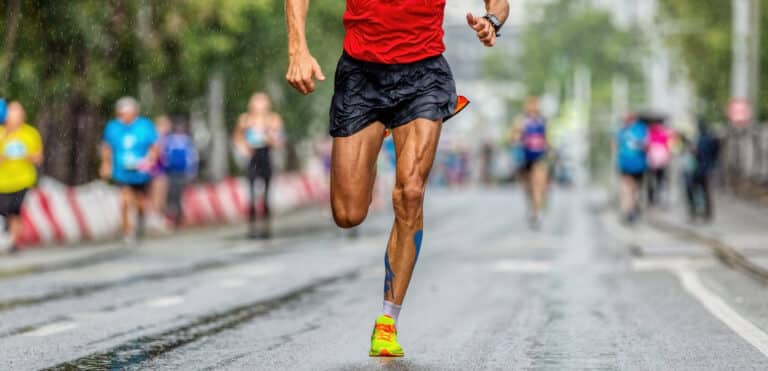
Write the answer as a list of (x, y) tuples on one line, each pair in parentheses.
[(384, 339)]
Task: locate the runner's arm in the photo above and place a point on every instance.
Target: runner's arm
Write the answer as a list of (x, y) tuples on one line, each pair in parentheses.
[(105, 171), (36, 157), (484, 29), (302, 67), (499, 8), (238, 137), (277, 134)]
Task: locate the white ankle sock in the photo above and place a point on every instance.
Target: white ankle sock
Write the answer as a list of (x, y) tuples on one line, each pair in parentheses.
[(392, 310)]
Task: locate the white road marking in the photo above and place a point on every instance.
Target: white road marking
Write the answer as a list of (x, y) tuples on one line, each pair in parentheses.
[(53, 328), (532, 241), (257, 270), (722, 311), (231, 283), (522, 266), (685, 271), (670, 263), (163, 302), (654, 264)]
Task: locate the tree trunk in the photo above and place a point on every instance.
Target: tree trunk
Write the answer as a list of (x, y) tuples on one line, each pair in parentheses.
[(217, 164), (12, 20)]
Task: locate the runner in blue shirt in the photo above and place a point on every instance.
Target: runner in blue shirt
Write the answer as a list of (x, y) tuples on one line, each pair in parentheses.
[(631, 147), (129, 151)]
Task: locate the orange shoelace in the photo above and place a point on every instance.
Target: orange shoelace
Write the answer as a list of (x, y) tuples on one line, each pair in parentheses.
[(385, 332)]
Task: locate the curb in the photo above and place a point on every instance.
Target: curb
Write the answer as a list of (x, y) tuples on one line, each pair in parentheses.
[(726, 253), (99, 254)]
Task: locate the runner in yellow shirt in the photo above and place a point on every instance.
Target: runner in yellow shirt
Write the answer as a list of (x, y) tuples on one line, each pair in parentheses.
[(21, 150)]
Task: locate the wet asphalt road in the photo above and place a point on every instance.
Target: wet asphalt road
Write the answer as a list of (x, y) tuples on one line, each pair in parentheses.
[(582, 293)]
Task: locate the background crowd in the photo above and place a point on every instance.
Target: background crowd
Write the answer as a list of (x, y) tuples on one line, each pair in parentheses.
[(150, 161)]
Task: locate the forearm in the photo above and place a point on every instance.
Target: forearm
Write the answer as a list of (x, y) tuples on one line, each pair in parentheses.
[(106, 155), (296, 19), (154, 153), (499, 8), (36, 159)]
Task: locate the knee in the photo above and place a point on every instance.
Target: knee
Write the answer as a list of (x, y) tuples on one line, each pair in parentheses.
[(408, 196), (346, 217)]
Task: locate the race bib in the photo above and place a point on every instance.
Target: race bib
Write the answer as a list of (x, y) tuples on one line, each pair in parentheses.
[(15, 150)]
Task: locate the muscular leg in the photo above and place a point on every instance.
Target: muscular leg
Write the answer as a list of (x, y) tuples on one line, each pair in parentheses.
[(251, 200), (538, 185), (127, 200), (13, 224), (353, 172), (266, 214), (142, 204), (627, 194), (415, 145), (525, 177)]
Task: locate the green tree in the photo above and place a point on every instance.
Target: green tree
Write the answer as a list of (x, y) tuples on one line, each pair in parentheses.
[(68, 61), (571, 34), (701, 33)]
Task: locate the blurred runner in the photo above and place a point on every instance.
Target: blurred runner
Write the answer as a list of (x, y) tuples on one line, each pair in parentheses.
[(631, 144), (530, 134), (706, 154), (179, 159), (659, 155), (128, 154), (158, 190), (3, 110), (258, 132), (391, 75), (21, 150), (688, 167)]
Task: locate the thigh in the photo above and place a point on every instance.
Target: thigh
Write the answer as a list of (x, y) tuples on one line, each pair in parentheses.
[(353, 165), (127, 195), (539, 172), (415, 147), (176, 186)]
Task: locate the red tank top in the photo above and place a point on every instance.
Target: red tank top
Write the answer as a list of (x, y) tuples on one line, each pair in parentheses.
[(394, 31)]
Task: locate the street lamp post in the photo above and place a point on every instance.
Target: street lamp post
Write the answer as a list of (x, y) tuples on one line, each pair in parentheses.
[(745, 68)]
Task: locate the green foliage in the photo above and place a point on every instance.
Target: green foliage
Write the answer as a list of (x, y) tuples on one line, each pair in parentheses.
[(569, 35), (703, 39), (566, 35), (72, 59)]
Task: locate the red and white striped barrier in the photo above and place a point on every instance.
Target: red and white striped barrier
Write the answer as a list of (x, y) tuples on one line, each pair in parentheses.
[(54, 213)]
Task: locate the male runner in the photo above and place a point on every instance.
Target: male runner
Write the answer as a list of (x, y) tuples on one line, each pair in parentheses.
[(391, 76), (631, 145), (531, 135), (258, 133), (128, 153)]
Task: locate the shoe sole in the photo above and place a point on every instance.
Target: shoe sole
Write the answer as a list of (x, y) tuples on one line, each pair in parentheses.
[(385, 353)]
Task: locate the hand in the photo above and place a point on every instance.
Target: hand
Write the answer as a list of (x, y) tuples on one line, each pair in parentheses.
[(302, 68), (484, 29), (105, 171)]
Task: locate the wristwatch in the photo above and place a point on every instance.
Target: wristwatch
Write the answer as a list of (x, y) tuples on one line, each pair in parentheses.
[(495, 22)]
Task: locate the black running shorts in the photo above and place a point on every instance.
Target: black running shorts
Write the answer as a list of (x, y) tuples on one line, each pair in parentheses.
[(140, 188), (10, 203), (637, 176), (394, 94)]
